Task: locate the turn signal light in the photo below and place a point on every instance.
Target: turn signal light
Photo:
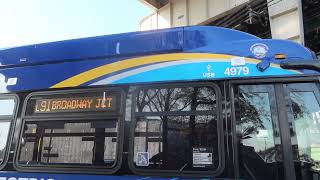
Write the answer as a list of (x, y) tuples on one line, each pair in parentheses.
[(280, 56)]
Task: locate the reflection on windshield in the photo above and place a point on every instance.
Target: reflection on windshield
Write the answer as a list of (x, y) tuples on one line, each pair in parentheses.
[(176, 99), (187, 140), (259, 143), (4, 132), (256, 124), (306, 114), (77, 142), (3, 84), (7, 107)]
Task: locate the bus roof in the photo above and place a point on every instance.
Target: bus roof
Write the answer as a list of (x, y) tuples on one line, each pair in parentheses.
[(60, 64), (127, 44)]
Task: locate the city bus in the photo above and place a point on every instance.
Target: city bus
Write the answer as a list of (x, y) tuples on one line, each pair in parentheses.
[(194, 102)]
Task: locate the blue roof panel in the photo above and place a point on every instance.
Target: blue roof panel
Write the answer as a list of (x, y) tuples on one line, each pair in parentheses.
[(184, 39), (135, 43), (186, 53)]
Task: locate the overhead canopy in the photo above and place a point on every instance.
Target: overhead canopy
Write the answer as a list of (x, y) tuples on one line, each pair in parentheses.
[(157, 4)]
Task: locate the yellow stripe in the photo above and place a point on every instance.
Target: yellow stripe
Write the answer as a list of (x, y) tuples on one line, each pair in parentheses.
[(129, 63), (133, 62)]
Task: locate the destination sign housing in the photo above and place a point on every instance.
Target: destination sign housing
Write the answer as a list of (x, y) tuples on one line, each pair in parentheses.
[(75, 104)]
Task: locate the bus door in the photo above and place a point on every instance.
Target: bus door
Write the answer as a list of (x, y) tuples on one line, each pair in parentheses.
[(257, 127), (303, 110), (278, 131)]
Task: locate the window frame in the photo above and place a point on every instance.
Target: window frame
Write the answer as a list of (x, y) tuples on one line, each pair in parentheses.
[(12, 119), (119, 115), (220, 132)]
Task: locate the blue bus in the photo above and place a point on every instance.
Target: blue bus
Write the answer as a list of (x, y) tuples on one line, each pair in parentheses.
[(193, 102)]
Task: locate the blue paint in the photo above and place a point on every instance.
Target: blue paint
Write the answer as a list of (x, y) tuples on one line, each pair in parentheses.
[(126, 44), (44, 65), (196, 72), (46, 176)]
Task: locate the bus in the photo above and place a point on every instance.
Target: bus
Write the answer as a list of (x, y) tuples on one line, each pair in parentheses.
[(193, 102)]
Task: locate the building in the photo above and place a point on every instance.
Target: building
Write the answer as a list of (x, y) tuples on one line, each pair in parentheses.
[(296, 20)]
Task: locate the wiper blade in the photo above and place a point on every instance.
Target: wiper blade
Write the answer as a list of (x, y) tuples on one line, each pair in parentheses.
[(301, 64)]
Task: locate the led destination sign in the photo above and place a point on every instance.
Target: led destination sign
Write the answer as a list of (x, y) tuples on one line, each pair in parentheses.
[(75, 104)]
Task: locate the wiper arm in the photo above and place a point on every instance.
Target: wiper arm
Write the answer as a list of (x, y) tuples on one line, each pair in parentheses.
[(182, 168), (301, 64)]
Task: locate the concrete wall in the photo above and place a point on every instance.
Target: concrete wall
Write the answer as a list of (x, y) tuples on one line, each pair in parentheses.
[(187, 12), (285, 20), (285, 15)]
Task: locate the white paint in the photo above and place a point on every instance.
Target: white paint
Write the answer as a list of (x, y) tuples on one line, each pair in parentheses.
[(23, 59), (118, 48), (12, 81), (238, 61), (23, 178)]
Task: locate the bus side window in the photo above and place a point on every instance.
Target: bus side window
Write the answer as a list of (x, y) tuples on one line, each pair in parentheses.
[(69, 142), (76, 129), (177, 129)]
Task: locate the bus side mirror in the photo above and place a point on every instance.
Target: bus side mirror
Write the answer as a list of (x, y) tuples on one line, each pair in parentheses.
[(263, 65), (301, 64)]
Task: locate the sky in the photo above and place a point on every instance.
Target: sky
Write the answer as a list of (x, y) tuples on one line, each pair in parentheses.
[(24, 22)]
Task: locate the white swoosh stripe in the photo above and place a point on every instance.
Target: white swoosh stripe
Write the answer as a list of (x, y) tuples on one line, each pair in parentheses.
[(151, 67)]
